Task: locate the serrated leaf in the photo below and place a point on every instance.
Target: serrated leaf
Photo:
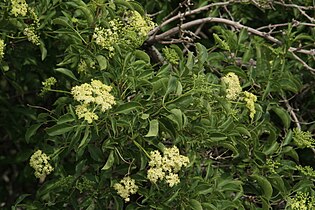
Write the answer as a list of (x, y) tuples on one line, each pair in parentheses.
[(271, 149), (85, 140), (110, 161), (154, 129), (142, 55), (288, 84), (124, 3), (95, 152), (137, 7), (195, 205), (127, 107), (43, 50), (288, 138), (31, 132), (102, 62), (63, 21), (283, 115), (264, 185), (59, 129), (65, 118), (66, 72)]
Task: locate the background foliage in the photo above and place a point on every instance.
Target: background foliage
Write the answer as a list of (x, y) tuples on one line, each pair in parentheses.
[(166, 79)]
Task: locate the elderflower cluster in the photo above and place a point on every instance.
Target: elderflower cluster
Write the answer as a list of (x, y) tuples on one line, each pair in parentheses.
[(92, 96), (234, 92), (233, 87), (167, 166), (126, 187), (39, 161), (303, 139), (18, 7), (82, 67), (31, 35), (2, 45), (47, 84), (272, 165), (171, 55), (302, 201), (107, 37), (306, 170), (34, 17), (138, 23), (136, 29), (250, 100)]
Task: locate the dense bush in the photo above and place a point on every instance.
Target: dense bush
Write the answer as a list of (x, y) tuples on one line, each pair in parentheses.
[(199, 105)]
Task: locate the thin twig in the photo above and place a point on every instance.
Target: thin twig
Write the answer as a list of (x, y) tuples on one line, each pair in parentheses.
[(208, 20), (294, 23), (303, 63), (172, 31), (300, 8), (181, 15), (292, 113)]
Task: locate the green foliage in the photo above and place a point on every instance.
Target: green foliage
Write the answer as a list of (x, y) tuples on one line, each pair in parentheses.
[(81, 85)]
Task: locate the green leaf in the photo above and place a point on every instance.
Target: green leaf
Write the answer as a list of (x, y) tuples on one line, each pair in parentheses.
[(65, 118), (59, 129), (288, 138), (43, 50), (127, 107), (63, 21), (195, 205), (288, 84), (95, 152), (178, 118), (142, 55), (20, 199), (85, 139), (154, 129), (87, 13), (137, 6), (110, 161), (66, 72), (269, 150), (264, 185), (283, 115), (31, 132), (102, 62), (124, 3)]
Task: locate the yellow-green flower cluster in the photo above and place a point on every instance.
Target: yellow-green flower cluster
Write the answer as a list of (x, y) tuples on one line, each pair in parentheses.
[(302, 201), (126, 187), (272, 165), (171, 55), (2, 45), (47, 84), (306, 170), (31, 35), (34, 17), (92, 96), (107, 37), (39, 161), (18, 7), (82, 67), (303, 139), (167, 166), (234, 92), (233, 87), (250, 100), (139, 24)]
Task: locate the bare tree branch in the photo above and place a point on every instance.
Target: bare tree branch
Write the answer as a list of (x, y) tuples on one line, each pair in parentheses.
[(300, 8), (301, 61), (181, 15), (157, 38)]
